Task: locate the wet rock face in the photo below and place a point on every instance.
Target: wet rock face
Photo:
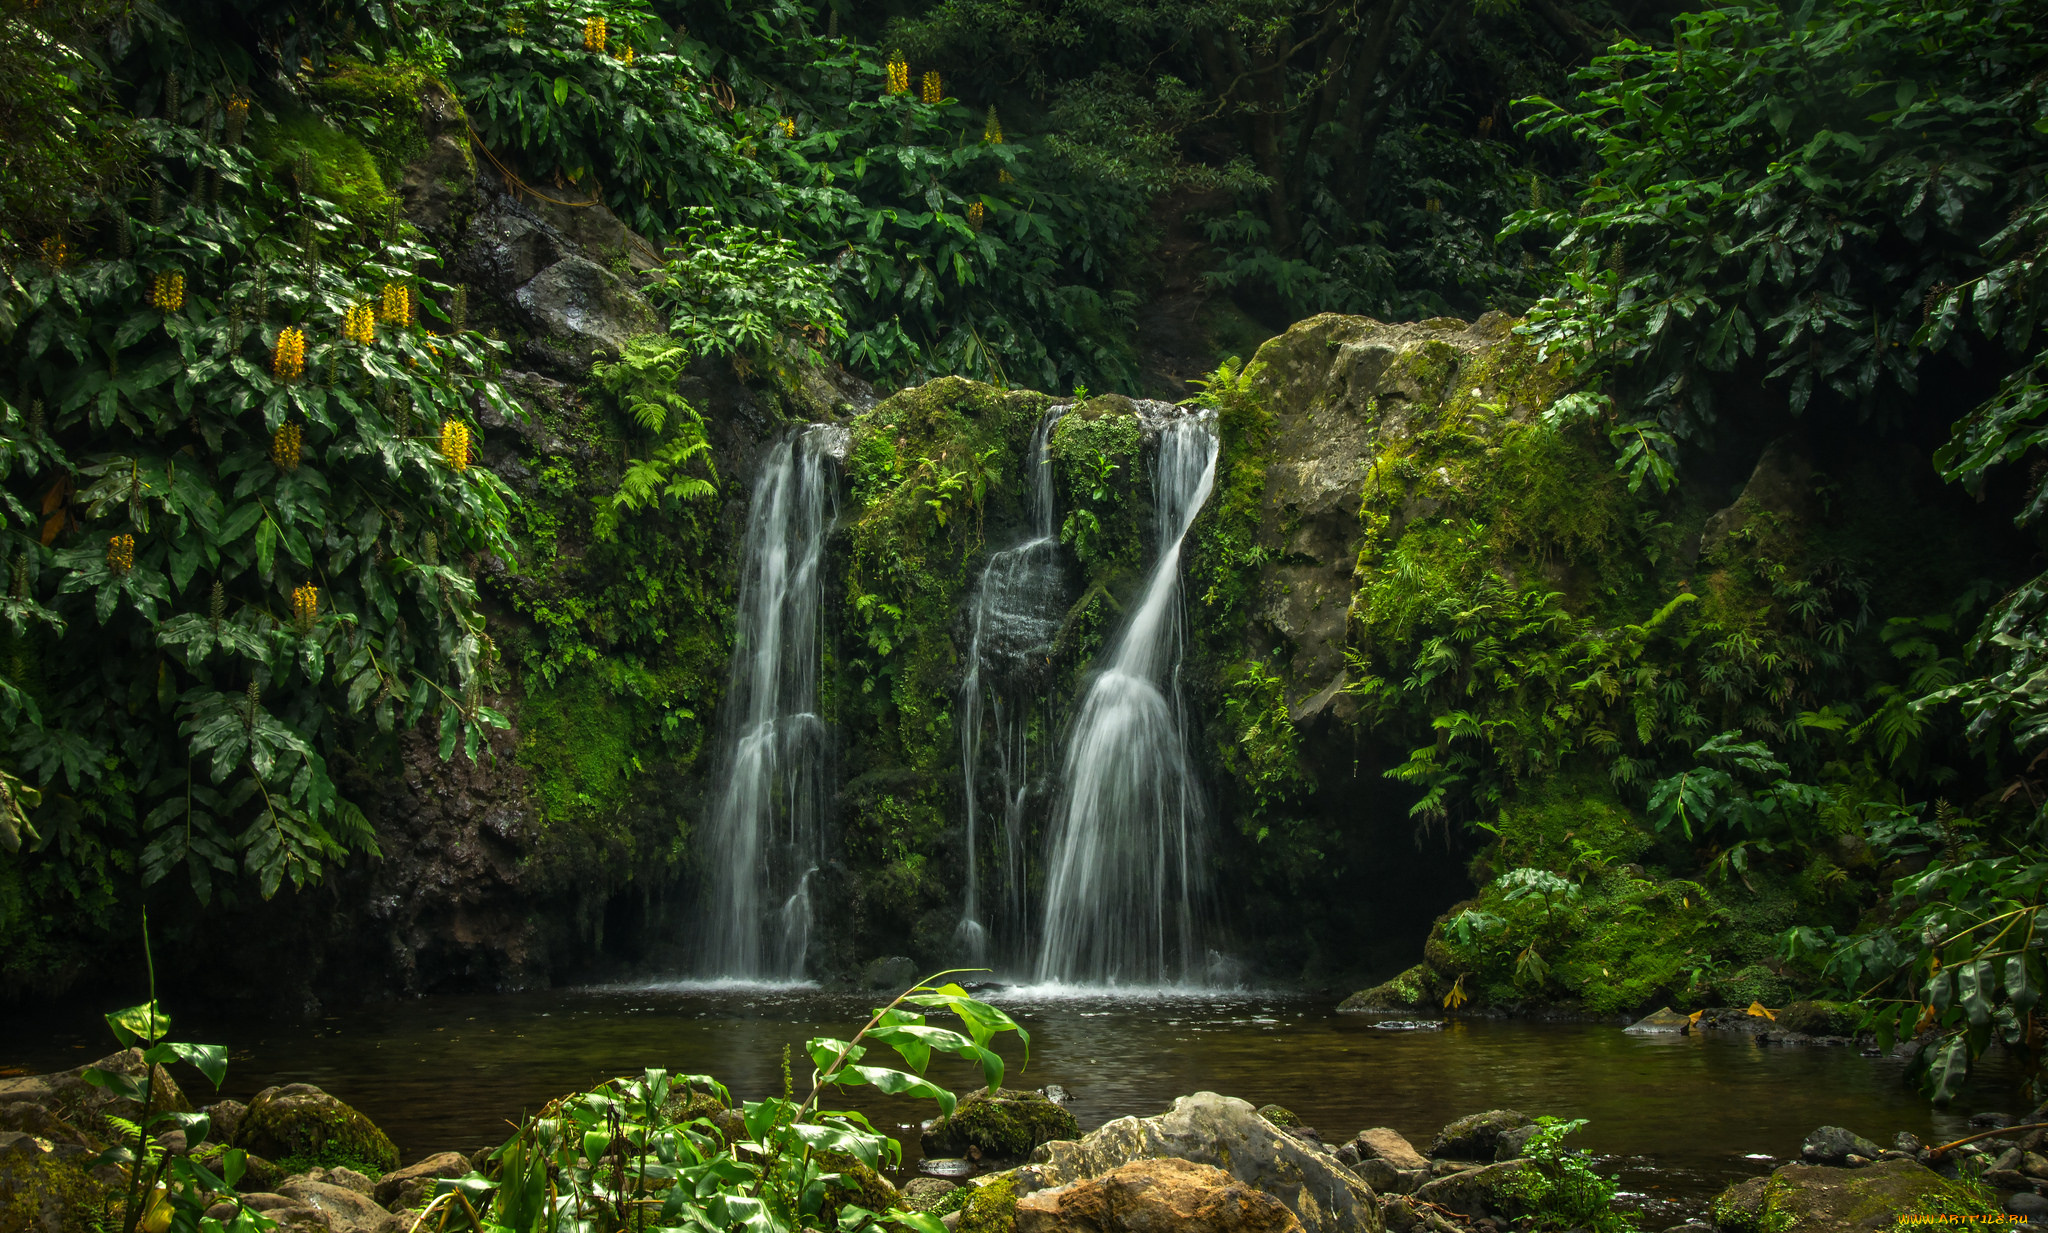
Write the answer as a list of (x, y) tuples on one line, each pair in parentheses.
[(585, 307), (1341, 391), (1155, 1196), (1224, 1132)]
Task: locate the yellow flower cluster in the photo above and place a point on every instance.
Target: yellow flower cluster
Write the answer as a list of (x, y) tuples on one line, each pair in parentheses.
[(285, 446), (992, 130), (626, 56), (167, 291), (398, 304), (932, 92), (899, 73), (238, 119), (288, 358), (977, 214), (594, 33), (121, 553), (787, 125), (56, 252), (455, 444), (359, 324), (1433, 205), (1004, 177), (306, 606)]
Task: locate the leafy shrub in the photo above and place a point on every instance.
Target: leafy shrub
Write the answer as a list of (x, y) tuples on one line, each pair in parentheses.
[(1560, 1190)]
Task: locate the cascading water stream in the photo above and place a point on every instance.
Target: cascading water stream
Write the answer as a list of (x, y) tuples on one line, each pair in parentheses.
[(1016, 615), (1124, 876), (766, 828)]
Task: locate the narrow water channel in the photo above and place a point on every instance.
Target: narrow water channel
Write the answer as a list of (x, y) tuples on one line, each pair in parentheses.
[(1680, 1117)]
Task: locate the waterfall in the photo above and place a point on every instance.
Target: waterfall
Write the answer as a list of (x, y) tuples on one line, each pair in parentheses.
[(1016, 615), (766, 829), (1124, 877)]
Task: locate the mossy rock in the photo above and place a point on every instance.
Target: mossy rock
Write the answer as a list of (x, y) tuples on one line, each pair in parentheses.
[(1476, 1136), (1821, 1199), (857, 1185), (41, 1194), (688, 1104), (992, 1208), (1821, 1018), (1006, 1123), (1280, 1115), (342, 169), (298, 1124), (1408, 991)]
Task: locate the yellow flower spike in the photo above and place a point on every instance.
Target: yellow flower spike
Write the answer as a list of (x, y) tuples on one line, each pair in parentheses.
[(932, 92), (1004, 177), (167, 291), (121, 553), (359, 324), (594, 34), (398, 304), (56, 252), (992, 131), (899, 73), (788, 126), (306, 606), (627, 57), (977, 214), (288, 358), (455, 444), (285, 446)]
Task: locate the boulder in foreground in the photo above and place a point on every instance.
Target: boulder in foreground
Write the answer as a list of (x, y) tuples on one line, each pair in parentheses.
[(1224, 1132), (1155, 1196)]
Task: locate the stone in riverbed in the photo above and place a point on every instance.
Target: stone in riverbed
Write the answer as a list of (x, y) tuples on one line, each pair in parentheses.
[(412, 1186), (1477, 1136), (1663, 1019), (1819, 1199), (1833, 1145), (921, 1194), (300, 1121), (1155, 1196), (344, 1210), (2027, 1205), (1487, 1191), (1218, 1130), (1007, 1123), (1386, 1143), (891, 972)]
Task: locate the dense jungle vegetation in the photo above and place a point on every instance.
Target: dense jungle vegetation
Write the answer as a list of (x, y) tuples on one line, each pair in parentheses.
[(1710, 728)]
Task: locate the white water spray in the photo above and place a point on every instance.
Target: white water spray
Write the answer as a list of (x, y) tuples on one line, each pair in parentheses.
[(1125, 875), (766, 829), (1016, 615)]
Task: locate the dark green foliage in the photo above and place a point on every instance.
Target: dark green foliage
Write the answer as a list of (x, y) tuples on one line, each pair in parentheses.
[(1560, 1190), (259, 563), (1790, 185)]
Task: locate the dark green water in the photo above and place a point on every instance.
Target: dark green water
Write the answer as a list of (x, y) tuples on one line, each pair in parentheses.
[(1678, 1116)]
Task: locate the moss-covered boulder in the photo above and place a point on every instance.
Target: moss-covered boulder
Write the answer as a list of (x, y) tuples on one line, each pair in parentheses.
[(857, 1185), (1411, 990), (1006, 1123), (1476, 1136), (40, 1192), (991, 1206), (300, 1126), (1819, 1199)]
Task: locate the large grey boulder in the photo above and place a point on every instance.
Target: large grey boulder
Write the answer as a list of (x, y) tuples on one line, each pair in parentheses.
[(1225, 1132), (584, 306)]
